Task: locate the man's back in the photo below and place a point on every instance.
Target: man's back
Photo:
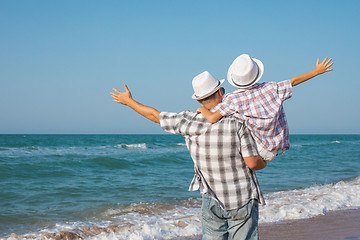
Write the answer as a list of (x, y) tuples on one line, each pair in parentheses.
[(217, 151)]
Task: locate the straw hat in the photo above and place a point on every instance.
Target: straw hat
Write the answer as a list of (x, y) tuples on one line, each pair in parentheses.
[(204, 85), (245, 71)]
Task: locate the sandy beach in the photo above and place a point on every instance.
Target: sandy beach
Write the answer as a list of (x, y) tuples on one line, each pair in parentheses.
[(335, 225)]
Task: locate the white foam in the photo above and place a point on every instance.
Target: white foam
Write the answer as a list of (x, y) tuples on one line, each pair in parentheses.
[(132, 146), (181, 144), (310, 202), (178, 221), (158, 221), (64, 150), (320, 143)]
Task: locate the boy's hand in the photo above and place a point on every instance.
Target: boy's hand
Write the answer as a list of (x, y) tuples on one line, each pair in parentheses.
[(320, 68), (122, 97), (324, 66), (201, 109)]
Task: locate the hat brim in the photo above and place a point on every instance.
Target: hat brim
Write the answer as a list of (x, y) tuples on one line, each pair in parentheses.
[(261, 71), (221, 82)]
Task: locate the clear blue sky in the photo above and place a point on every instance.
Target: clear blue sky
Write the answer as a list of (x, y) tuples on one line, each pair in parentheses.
[(60, 59)]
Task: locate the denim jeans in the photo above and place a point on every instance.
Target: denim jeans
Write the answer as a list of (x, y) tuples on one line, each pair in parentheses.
[(220, 224)]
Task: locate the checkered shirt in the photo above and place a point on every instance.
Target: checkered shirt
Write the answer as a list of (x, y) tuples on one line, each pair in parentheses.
[(217, 151), (261, 107)]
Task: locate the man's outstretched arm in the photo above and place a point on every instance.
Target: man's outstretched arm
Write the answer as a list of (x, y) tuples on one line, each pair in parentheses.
[(126, 99)]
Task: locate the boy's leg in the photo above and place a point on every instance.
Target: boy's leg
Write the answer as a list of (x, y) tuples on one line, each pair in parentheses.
[(243, 222), (214, 226)]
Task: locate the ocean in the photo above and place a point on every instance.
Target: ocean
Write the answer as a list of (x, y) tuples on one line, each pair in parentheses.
[(136, 186)]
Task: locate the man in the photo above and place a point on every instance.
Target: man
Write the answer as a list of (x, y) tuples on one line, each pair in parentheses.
[(225, 159)]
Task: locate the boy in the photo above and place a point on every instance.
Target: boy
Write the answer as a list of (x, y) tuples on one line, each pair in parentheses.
[(260, 105)]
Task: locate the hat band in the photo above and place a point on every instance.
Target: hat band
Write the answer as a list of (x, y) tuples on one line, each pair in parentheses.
[(251, 83)]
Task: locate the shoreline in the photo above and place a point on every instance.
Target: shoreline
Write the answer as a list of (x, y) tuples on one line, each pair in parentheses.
[(334, 225)]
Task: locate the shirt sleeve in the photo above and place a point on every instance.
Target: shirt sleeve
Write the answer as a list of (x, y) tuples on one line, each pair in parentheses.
[(247, 143), (170, 122), (225, 108), (284, 90)]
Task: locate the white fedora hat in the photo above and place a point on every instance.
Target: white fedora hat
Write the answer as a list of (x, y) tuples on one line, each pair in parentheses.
[(204, 85), (245, 71)]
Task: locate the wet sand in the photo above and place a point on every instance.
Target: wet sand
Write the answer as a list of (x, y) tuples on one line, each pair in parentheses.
[(335, 225)]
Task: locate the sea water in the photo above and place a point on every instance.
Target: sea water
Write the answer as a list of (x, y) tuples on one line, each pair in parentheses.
[(54, 183)]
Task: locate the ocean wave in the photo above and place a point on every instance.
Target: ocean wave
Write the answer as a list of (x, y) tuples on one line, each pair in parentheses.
[(136, 221), (310, 202), (66, 150), (324, 143), (44, 151), (180, 144), (32, 148), (318, 144), (132, 146), (166, 220), (88, 150)]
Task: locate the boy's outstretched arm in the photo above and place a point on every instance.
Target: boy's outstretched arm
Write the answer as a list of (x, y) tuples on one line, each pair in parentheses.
[(212, 117), (320, 68), (125, 98)]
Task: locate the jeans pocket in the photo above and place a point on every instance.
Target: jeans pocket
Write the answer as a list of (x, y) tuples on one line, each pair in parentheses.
[(244, 212), (210, 209)]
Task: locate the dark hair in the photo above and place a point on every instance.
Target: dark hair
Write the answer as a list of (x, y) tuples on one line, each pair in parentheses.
[(212, 96)]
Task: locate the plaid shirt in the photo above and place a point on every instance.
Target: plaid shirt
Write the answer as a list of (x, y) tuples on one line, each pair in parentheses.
[(217, 151), (262, 110)]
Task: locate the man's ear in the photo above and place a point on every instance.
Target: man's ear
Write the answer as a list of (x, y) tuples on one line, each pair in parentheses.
[(222, 90)]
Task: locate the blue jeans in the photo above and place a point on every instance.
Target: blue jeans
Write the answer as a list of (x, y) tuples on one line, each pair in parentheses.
[(220, 224)]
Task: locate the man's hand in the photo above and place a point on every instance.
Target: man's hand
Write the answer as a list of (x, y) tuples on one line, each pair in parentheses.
[(125, 98), (324, 66), (122, 97)]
